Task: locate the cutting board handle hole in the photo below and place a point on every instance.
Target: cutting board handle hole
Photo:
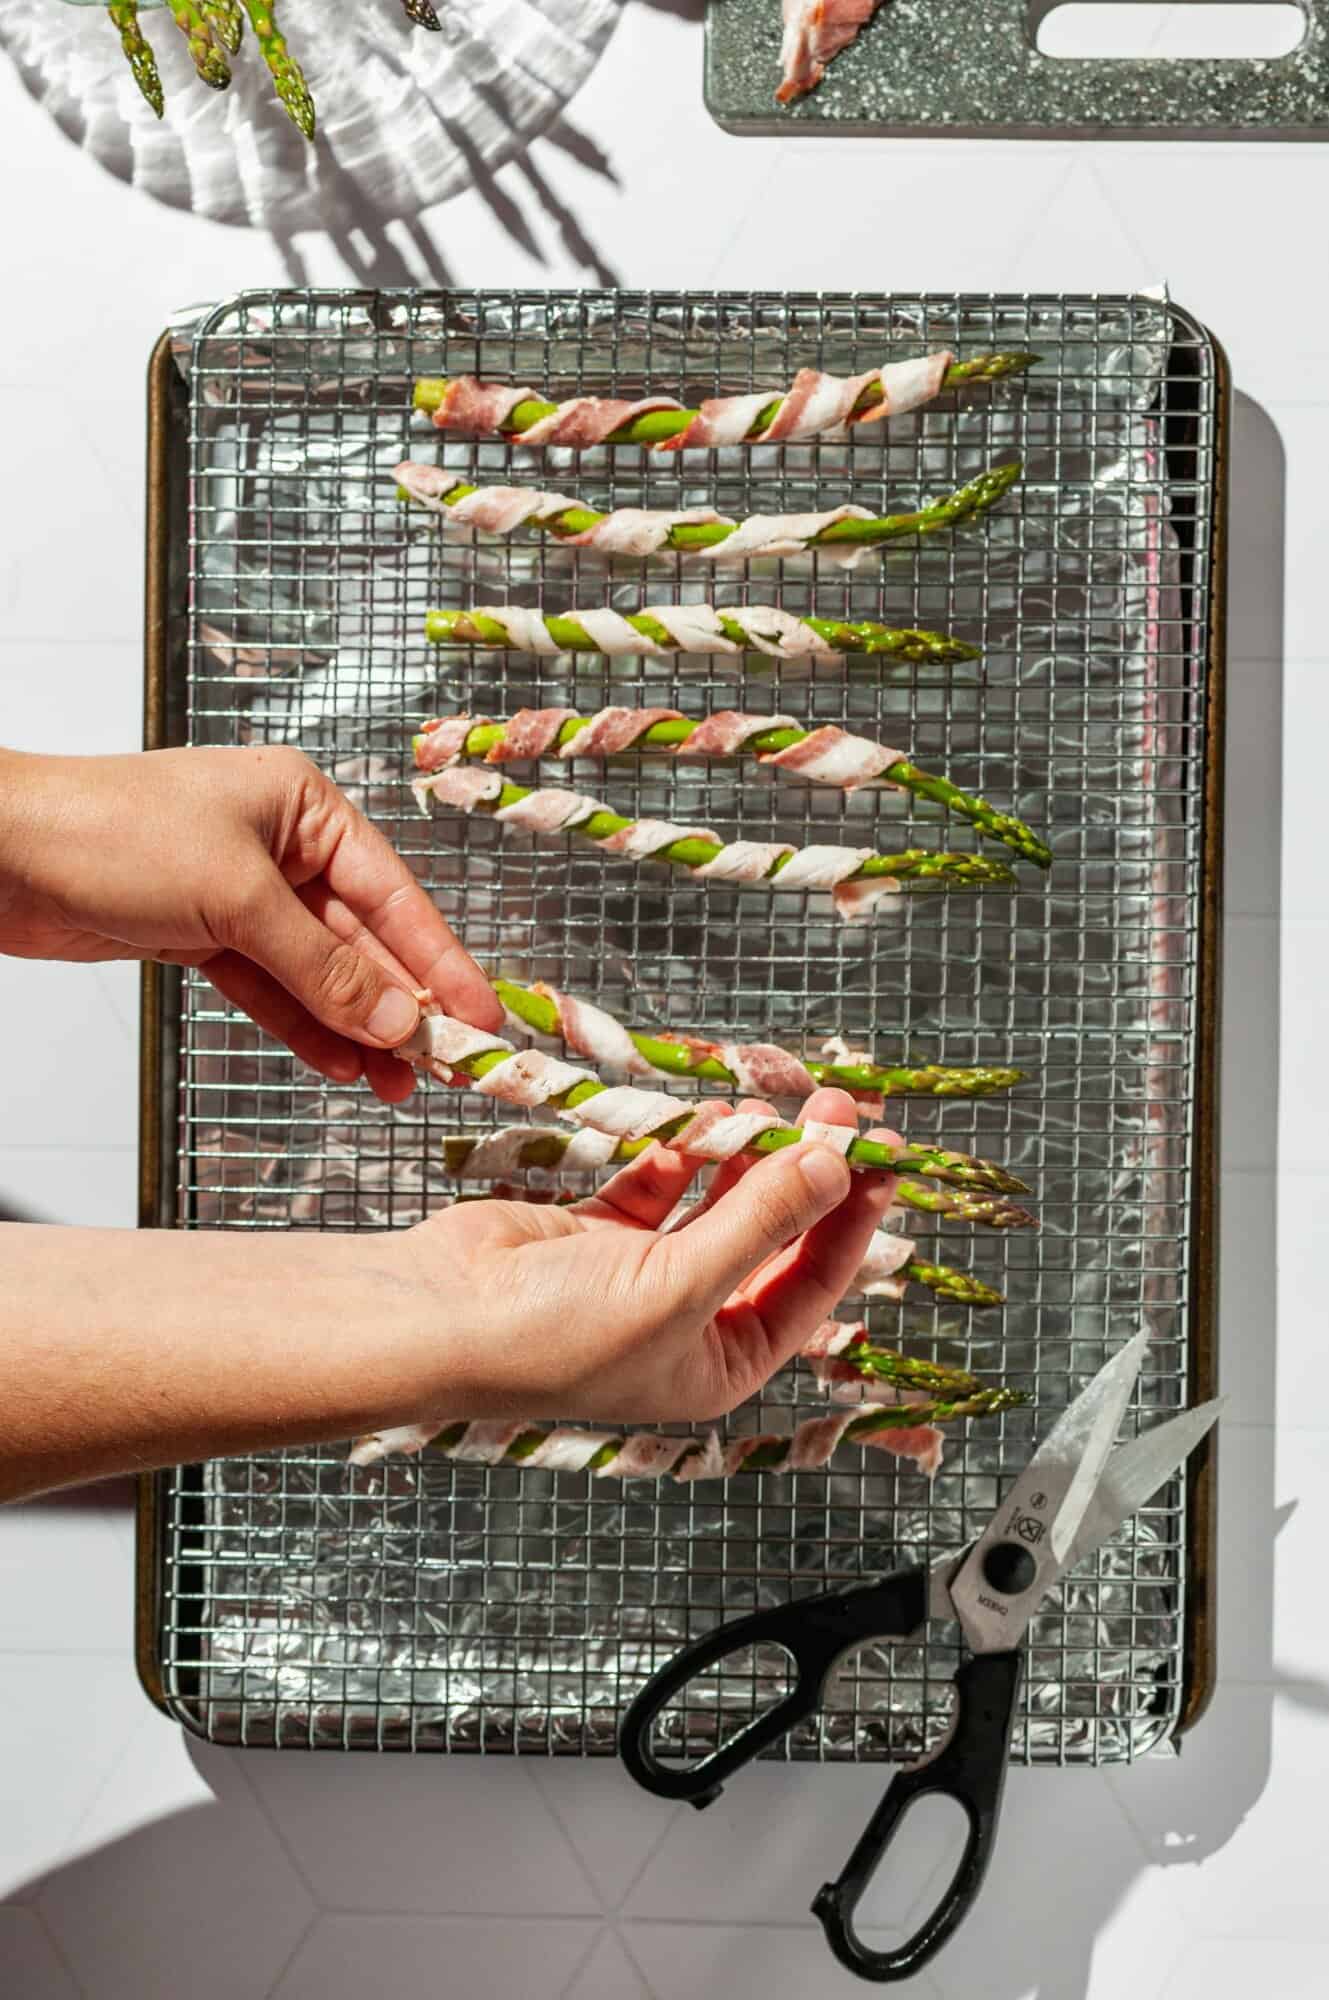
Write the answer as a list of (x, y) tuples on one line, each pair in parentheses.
[(1183, 31)]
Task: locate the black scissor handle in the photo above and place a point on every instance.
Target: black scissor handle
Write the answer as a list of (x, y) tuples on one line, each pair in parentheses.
[(815, 1631), (970, 1768)]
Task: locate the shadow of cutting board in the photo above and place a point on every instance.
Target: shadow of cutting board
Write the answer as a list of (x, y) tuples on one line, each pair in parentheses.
[(970, 68)]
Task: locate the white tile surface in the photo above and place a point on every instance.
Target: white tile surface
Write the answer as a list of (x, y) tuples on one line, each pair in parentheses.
[(422, 1834), (29, 1964), (160, 1869), (180, 1883), (67, 1574), (65, 1721), (345, 1958)]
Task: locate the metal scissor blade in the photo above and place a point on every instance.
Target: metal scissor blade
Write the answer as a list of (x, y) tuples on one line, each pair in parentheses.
[(1022, 1551), (1134, 1473), (1076, 1449)]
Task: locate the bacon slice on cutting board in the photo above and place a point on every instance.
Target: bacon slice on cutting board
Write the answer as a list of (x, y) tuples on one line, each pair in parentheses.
[(815, 33)]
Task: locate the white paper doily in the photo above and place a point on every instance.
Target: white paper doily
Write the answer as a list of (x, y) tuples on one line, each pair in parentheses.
[(406, 118)]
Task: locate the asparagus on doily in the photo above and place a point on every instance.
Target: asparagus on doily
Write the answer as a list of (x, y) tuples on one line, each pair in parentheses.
[(759, 1069), (663, 629), (544, 1148), (626, 1118), (226, 21), (287, 76), (814, 403), (826, 755), (138, 51), (205, 48), (908, 1429), (841, 534), (857, 877)]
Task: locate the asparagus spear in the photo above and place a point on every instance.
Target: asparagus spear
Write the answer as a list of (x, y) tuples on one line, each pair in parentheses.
[(975, 498), (226, 21), (767, 1454), (478, 628), (287, 76), (138, 51), (546, 1146), (657, 425), (538, 1007), (672, 736), (209, 57), (910, 864)]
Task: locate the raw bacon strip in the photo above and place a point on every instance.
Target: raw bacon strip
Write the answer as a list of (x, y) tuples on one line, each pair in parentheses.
[(531, 732), (782, 535), (472, 405), (611, 731), (501, 1153), (646, 837), (588, 1031), (441, 742), (723, 733), (582, 421), (648, 1455), (832, 756), (761, 1069), (548, 811), (721, 420), (815, 31), (855, 902), (585, 421), (644, 531), (743, 861)]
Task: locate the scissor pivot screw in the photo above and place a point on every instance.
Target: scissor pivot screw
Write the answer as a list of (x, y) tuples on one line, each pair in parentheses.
[(1009, 1568)]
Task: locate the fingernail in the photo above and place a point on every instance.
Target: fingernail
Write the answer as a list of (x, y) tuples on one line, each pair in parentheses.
[(394, 1017), (825, 1173)]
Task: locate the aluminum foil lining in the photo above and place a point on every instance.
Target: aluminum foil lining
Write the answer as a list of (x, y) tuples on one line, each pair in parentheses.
[(432, 1606)]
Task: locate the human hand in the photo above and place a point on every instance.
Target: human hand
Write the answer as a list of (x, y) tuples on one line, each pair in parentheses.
[(249, 864), (589, 1311)]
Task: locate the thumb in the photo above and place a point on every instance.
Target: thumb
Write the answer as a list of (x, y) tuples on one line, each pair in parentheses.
[(775, 1201), (340, 985)]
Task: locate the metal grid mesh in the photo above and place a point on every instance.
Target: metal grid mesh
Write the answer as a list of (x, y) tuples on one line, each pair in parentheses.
[(472, 1608)]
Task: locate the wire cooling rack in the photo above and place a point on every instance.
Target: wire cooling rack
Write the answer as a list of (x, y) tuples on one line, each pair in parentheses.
[(289, 1600)]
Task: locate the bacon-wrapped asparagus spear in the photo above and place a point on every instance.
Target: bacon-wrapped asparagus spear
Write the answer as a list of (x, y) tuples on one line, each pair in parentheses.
[(690, 628), (857, 877), (626, 1118), (422, 15), (758, 1069), (544, 1147), (814, 403), (827, 755), (138, 51), (841, 534), (907, 1429)]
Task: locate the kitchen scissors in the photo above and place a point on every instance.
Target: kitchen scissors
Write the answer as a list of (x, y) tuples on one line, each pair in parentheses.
[(1075, 1492)]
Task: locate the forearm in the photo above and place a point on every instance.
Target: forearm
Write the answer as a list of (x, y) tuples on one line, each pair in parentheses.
[(123, 1351)]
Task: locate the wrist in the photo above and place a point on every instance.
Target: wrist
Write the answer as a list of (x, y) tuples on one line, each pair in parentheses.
[(32, 789)]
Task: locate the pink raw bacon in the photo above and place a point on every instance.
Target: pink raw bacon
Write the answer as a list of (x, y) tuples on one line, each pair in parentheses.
[(815, 32)]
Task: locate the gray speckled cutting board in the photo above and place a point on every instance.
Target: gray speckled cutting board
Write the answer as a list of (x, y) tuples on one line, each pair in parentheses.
[(969, 67)]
